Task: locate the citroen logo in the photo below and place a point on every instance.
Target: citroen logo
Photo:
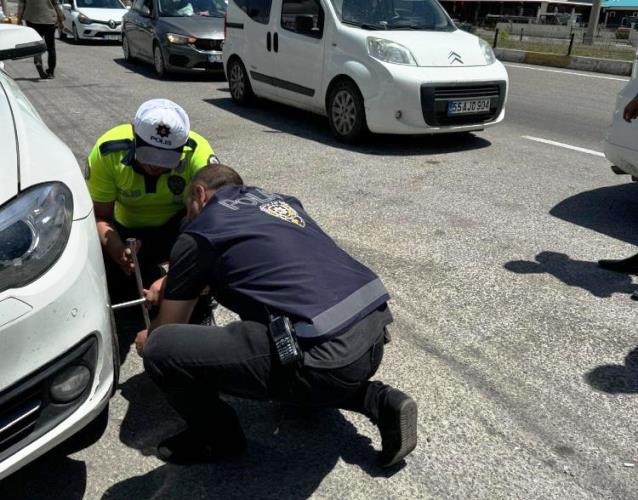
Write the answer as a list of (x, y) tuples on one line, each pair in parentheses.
[(112, 24), (453, 57)]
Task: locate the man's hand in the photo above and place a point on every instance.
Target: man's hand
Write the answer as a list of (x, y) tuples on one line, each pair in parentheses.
[(155, 293), (140, 341), (123, 256), (631, 110)]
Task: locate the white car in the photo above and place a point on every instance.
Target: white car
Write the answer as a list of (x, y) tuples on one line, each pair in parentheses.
[(93, 20), (58, 350), (621, 144), (390, 66)]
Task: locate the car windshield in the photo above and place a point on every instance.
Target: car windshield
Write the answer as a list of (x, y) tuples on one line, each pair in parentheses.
[(99, 4), (189, 8), (426, 15)]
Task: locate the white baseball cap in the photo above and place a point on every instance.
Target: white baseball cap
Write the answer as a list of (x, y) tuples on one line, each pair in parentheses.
[(161, 130)]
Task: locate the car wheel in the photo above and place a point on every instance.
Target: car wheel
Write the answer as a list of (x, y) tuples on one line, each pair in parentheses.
[(76, 36), (346, 112), (158, 61), (126, 48), (240, 89), (61, 34)]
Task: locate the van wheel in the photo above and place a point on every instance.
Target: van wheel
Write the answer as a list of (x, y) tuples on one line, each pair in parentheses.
[(346, 112), (240, 89)]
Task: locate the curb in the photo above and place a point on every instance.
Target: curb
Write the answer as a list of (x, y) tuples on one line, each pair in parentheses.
[(609, 66)]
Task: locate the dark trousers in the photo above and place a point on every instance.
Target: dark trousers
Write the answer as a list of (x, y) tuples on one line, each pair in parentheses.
[(46, 31), (157, 243), (193, 364)]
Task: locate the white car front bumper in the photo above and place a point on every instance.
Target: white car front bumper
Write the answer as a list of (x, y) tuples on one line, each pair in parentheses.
[(61, 319), (100, 31), (404, 100)]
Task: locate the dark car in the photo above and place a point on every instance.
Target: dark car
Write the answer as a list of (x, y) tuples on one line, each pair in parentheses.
[(175, 35)]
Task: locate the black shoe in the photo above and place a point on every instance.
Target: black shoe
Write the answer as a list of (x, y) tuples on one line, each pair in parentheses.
[(191, 447), (628, 265), (398, 427), (50, 73), (41, 72)]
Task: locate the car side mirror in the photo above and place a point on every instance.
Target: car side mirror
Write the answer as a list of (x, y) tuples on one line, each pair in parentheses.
[(145, 11), (67, 6), (304, 25), (18, 42)]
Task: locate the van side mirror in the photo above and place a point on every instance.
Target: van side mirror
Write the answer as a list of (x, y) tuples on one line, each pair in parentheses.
[(304, 25), (145, 11), (18, 42)]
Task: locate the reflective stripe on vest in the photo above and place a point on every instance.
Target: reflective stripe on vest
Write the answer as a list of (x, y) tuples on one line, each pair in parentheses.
[(342, 312)]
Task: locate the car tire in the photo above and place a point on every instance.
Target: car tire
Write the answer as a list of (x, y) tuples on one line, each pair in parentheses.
[(126, 49), (239, 83), (61, 34), (158, 61), (76, 36), (346, 112)]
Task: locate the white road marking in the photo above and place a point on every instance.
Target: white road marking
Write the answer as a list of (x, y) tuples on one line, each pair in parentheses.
[(563, 145), (565, 72)]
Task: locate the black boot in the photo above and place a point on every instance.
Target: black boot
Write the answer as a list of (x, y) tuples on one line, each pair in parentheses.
[(395, 414), (41, 72), (628, 265), (50, 73)]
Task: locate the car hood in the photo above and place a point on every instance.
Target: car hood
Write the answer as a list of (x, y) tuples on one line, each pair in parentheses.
[(31, 154), (438, 48), (103, 14), (197, 26), (8, 153)]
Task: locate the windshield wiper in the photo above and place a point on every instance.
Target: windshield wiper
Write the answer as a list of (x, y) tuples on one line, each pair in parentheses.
[(367, 26)]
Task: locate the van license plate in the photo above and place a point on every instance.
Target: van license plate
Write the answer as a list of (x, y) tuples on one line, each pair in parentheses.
[(214, 58), (468, 107)]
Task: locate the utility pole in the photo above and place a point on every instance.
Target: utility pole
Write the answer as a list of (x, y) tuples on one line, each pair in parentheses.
[(592, 25)]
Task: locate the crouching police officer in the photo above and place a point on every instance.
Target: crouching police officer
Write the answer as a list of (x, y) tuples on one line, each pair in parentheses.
[(312, 326), (137, 177)]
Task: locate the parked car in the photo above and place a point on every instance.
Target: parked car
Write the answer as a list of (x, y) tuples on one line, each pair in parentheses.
[(93, 20), (175, 35), (621, 143), (393, 66), (58, 354)]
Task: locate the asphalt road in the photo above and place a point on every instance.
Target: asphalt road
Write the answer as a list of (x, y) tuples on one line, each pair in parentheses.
[(520, 352)]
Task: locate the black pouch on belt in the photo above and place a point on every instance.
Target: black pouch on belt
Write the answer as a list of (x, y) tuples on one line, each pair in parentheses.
[(282, 333)]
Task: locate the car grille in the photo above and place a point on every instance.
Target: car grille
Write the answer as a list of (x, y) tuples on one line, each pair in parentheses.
[(208, 44), (435, 99), (26, 411), (106, 23)]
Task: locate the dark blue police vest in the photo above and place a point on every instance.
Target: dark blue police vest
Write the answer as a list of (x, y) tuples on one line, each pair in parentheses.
[(270, 251)]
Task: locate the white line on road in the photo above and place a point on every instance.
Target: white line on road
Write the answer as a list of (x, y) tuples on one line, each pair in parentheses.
[(563, 145), (546, 70)]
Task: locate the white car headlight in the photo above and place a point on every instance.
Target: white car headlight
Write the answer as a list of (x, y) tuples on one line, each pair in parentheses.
[(180, 39), (390, 52), (84, 19), (34, 230), (488, 53)]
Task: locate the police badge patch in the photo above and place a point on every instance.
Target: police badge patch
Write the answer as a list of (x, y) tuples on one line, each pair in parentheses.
[(176, 184), (283, 211)]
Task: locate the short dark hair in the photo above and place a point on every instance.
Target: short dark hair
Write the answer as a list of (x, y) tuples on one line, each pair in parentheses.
[(216, 175)]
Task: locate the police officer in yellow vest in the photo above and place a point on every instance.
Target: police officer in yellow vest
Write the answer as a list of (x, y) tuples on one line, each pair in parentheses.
[(137, 176)]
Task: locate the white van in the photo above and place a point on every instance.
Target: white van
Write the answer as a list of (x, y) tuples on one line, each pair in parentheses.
[(389, 66), (621, 143)]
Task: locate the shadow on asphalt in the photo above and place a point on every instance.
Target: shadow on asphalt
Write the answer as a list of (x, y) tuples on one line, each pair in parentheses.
[(49, 477), (576, 273), (611, 210), (146, 70), (290, 451), (616, 379), (280, 118)]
